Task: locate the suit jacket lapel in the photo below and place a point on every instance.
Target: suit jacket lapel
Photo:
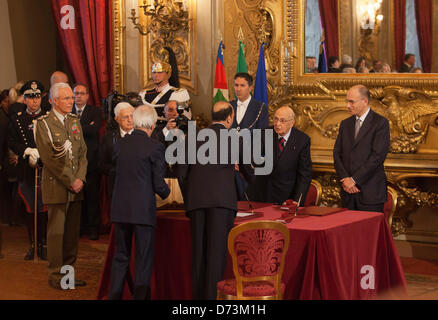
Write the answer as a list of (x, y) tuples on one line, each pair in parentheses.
[(246, 120), (367, 124)]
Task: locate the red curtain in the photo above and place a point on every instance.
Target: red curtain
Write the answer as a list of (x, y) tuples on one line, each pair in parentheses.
[(423, 14), (399, 32), (87, 43), (329, 17)]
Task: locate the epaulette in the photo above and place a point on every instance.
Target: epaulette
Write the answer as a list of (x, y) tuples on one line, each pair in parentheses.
[(72, 115), (42, 117), (180, 95)]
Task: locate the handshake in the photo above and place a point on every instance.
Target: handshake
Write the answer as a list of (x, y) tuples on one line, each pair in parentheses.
[(33, 156)]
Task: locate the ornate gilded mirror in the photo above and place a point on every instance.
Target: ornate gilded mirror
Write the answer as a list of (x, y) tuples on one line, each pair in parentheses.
[(408, 101)]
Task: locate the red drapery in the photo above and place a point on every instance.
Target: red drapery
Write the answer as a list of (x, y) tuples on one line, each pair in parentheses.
[(423, 14), (329, 17), (399, 32), (88, 45)]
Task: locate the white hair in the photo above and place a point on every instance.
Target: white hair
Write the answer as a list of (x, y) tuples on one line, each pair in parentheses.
[(121, 106), (54, 90), (346, 59), (145, 117)]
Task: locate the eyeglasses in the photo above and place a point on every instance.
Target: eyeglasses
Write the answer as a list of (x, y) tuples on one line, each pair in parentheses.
[(80, 93), (281, 120), (66, 98), (126, 118), (352, 101)]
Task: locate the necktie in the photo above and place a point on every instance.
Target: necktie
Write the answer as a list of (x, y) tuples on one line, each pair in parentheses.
[(281, 144), (357, 128), (79, 113)]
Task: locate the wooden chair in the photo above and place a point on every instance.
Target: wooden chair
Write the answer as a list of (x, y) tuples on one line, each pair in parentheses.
[(390, 205), (314, 194), (258, 250)]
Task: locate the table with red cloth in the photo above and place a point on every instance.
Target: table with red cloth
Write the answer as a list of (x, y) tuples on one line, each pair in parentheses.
[(330, 257)]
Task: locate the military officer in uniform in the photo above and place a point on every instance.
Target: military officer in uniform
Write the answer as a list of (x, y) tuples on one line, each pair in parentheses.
[(166, 80), (62, 148), (21, 142)]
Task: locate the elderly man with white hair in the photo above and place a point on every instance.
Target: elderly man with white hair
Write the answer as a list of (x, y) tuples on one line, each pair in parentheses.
[(140, 170), (62, 149), (115, 130)]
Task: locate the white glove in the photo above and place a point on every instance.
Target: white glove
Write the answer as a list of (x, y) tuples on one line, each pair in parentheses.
[(33, 161), (31, 152)]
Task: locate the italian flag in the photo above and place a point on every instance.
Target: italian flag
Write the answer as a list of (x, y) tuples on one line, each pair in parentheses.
[(220, 91)]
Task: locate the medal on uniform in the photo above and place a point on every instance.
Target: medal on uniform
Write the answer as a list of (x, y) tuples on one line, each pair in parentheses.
[(75, 128)]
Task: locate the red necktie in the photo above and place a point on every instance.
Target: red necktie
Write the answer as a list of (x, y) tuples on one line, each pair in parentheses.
[(281, 144)]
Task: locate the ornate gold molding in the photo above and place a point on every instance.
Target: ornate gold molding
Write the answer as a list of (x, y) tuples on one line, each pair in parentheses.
[(260, 21), (119, 44), (183, 43)]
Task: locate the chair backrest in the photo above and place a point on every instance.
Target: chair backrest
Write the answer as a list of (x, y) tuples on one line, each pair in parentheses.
[(390, 205), (314, 194), (258, 250)]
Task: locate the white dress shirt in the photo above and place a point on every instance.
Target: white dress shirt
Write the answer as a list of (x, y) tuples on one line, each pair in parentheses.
[(123, 133), (362, 118), (241, 109)]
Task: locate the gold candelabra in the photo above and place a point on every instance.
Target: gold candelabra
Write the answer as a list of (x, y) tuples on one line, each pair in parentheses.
[(166, 17)]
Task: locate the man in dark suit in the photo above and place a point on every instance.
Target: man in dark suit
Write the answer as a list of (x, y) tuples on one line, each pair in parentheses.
[(408, 63), (90, 119), (122, 125), (248, 112), (359, 153), (292, 170), (210, 200), (139, 175)]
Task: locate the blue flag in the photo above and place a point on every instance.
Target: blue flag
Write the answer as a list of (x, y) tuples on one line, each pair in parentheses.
[(322, 62), (261, 85)]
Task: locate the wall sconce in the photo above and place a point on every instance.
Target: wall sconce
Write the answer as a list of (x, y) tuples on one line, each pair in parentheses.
[(368, 13), (166, 17)]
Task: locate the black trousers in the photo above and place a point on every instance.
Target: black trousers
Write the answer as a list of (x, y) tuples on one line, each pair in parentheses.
[(352, 202), (90, 217), (209, 228), (144, 256)]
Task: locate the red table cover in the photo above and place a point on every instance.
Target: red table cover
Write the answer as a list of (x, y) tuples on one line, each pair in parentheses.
[(329, 257)]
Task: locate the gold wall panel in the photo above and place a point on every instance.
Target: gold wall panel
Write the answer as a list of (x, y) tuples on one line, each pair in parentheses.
[(183, 44), (119, 45), (260, 20)]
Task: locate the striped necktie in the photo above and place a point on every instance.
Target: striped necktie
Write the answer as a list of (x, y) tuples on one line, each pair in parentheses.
[(281, 144)]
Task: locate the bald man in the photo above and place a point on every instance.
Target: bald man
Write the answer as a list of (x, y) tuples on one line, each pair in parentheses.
[(359, 153), (292, 170), (56, 77), (210, 200)]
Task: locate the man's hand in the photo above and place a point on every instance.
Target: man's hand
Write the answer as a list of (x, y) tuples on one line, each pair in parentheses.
[(77, 186), (13, 159), (349, 185), (171, 124)]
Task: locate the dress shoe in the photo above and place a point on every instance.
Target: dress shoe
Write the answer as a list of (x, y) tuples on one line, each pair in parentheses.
[(42, 252), (30, 254), (80, 283), (55, 284)]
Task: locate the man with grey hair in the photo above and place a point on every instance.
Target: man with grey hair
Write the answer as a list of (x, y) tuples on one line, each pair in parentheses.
[(115, 130), (140, 169), (62, 149)]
